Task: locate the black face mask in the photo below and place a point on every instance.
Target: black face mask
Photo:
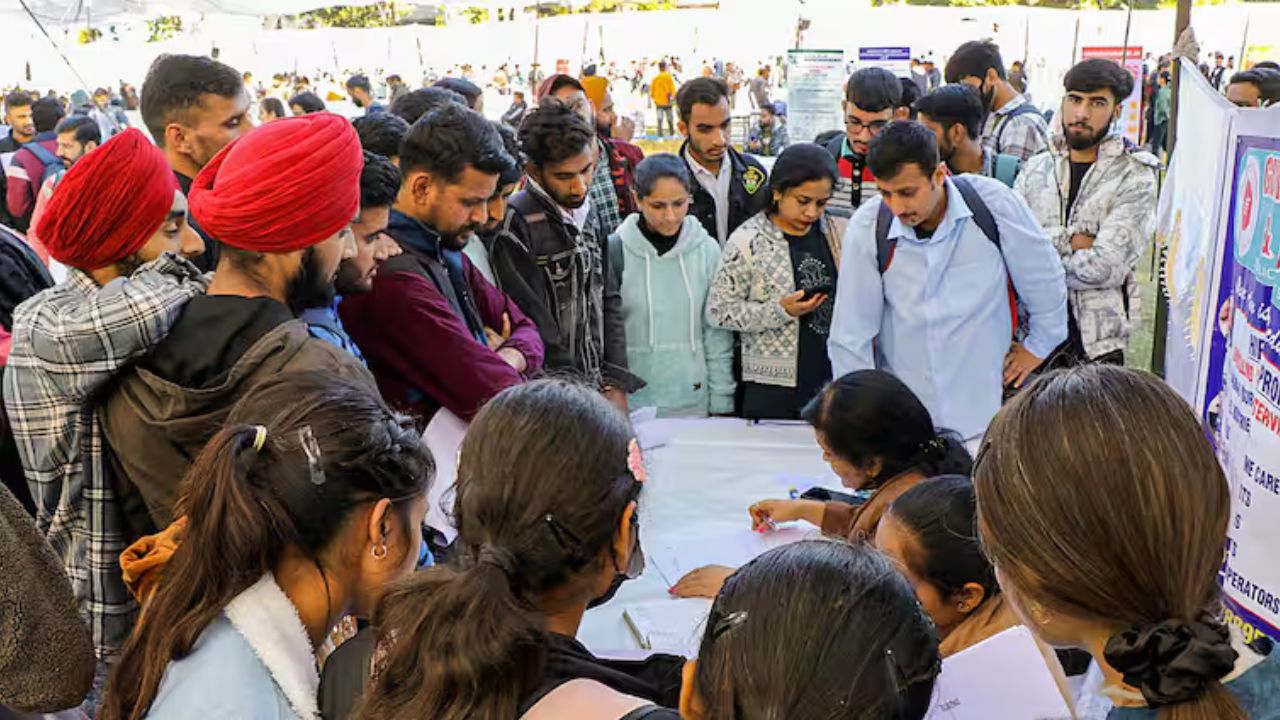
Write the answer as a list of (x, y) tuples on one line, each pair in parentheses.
[(635, 567)]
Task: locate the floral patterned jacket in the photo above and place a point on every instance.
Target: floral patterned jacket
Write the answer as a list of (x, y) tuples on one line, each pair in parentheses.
[(746, 296), (1115, 205)]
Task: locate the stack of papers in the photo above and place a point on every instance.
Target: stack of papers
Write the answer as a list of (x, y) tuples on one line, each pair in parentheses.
[(671, 626), (734, 549), (1004, 676)]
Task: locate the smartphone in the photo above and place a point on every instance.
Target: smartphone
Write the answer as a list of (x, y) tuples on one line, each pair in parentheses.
[(820, 290)]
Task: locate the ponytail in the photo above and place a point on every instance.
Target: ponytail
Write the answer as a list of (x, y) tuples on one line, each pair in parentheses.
[(945, 454), (228, 545), (323, 447), (545, 478), (487, 648)]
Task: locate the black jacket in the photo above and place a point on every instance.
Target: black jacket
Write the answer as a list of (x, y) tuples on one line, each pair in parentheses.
[(538, 260), (748, 189)]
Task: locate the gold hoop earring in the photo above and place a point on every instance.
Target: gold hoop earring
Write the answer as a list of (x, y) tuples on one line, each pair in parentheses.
[(379, 552)]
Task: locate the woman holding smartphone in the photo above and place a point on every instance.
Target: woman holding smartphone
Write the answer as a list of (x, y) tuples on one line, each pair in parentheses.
[(776, 284)]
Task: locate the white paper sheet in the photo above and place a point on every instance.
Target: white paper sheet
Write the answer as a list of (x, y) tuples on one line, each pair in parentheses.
[(734, 548), (672, 626), (1004, 677), (444, 436)]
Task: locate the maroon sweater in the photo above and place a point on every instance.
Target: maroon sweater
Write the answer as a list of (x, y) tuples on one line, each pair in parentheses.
[(421, 352)]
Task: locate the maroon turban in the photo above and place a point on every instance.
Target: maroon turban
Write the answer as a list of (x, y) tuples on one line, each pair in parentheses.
[(285, 186), (109, 203)]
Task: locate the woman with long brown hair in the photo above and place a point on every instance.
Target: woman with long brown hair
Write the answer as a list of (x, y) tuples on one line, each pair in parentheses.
[(1104, 510), (300, 510), (546, 498)]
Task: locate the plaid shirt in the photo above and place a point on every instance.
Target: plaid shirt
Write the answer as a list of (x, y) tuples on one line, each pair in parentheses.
[(604, 196), (1022, 135), (68, 342)]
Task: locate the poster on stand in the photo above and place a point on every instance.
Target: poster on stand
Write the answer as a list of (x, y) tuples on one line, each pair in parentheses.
[(815, 89)]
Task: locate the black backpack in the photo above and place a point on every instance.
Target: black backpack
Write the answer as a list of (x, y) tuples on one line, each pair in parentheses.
[(21, 274), (982, 217)]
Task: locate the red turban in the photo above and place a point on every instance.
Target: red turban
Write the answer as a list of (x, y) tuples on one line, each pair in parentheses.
[(285, 186), (109, 203)]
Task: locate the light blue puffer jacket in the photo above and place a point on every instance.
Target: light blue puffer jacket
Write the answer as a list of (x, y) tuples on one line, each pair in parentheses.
[(687, 363)]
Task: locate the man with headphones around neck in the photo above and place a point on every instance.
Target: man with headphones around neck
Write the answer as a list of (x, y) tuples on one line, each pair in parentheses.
[(1094, 193)]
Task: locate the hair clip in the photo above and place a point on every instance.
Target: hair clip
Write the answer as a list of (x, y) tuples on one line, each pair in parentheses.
[(727, 623), (564, 536), (259, 437), (311, 448), (635, 461)]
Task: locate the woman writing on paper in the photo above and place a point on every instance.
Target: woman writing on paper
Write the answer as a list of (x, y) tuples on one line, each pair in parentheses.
[(1107, 530), (548, 484), (878, 437)]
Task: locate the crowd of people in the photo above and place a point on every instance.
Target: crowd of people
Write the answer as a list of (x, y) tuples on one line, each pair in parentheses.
[(223, 343)]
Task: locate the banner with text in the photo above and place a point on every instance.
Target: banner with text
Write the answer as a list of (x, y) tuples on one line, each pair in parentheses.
[(1242, 386), (896, 60)]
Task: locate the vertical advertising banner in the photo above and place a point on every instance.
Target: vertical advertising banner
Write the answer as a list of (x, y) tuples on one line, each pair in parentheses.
[(815, 89), (1131, 119), (1242, 399)]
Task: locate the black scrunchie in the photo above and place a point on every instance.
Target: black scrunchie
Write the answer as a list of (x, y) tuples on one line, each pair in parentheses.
[(1172, 661)]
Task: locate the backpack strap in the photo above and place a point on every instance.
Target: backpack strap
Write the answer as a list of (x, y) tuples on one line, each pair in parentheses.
[(981, 213), (616, 263), (885, 245), (1024, 109), (52, 164), (586, 700), (541, 234)]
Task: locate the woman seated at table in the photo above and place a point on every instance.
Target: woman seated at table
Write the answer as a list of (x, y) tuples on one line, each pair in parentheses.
[(665, 261), (1105, 512), (301, 509), (930, 533), (548, 480), (775, 285), (878, 437), (842, 639)]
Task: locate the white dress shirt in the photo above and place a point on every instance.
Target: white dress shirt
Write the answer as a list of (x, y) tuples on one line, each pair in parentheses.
[(718, 187)]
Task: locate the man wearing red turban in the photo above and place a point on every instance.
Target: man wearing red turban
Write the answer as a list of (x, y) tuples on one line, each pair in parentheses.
[(118, 221), (279, 202)]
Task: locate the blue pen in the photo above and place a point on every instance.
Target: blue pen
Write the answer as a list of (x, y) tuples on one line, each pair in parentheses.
[(794, 494)]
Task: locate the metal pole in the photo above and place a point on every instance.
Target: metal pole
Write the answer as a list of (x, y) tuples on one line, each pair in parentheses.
[(533, 69), (1244, 45), (1075, 44), (1128, 23), (84, 85), (1158, 340)]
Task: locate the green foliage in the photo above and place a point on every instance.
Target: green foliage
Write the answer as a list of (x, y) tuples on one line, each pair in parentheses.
[(88, 35), (380, 14), (164, 28), (476, 15)]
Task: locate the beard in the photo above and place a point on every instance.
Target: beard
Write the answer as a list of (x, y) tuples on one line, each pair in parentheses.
[(1083, 138), (989, 99), (309, 288)]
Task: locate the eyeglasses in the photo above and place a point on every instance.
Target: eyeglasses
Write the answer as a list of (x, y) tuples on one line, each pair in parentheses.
[(874, 127)]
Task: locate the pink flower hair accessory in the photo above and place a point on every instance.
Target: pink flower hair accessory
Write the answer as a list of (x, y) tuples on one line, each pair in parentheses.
[(635, 461)]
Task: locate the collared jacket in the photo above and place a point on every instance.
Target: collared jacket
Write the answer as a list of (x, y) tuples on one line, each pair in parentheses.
[(1116, 204), (558, 275), (746, 296), (69, 343), (748, 188), (418, 329)]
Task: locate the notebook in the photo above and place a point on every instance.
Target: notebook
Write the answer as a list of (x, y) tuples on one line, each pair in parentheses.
[(673, 625)]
